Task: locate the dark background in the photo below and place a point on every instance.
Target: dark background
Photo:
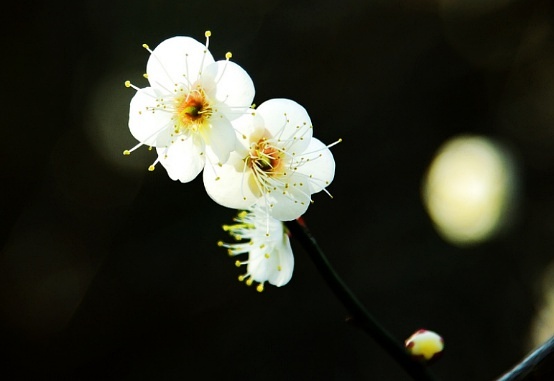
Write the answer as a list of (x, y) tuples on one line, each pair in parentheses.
[(110, 272)]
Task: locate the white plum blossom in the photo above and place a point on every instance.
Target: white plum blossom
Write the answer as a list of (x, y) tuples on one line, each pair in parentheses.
[(277, 164), (187, 112), (267, 244)]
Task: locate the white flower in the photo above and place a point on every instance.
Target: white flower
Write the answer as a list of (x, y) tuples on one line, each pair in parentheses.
[(267, 244), (277, 165), (188, 110)]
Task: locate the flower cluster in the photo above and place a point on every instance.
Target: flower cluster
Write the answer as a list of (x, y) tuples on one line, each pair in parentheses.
[(198, 114)]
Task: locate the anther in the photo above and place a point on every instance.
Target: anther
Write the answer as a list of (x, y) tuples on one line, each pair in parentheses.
[(260, 287), (152, 167), (129, 84), (126, 152), (207, 34), (228, 55), (219, 243)]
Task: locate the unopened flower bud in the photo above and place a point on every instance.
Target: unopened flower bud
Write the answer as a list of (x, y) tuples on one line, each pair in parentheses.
[(425, 345)]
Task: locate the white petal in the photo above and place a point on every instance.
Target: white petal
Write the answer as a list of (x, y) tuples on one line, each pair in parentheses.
[(259, 267), (288, 121), (230, 185), (230, 86), (273, 263), (219, 138), (177, 60), (184, 159), (147, 124), (249, 129), (317, 165), (285, 262), (286, 204)]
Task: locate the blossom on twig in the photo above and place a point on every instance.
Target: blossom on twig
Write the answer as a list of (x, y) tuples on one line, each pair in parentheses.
[(278, 164), (267, 244), (188, 110)]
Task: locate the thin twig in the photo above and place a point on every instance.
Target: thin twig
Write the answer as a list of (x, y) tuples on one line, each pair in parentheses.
[(362, 318), (539, 365)]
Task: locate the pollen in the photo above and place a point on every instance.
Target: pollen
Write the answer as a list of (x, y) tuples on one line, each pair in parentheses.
[(193, 109)]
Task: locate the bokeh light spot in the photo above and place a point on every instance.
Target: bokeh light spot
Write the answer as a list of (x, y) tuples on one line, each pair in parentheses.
[(469, 189)]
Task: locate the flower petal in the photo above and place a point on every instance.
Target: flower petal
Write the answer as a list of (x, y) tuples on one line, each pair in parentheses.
[(230, 86), (285, 264), (177, 60), (290, 202), (249, 129), (184, 159), (147, 124), (273, 263), (287, 121), (220, 138), (317, 165), (230, 185)]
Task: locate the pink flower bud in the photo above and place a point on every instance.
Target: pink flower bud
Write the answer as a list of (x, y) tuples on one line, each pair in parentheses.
[(425, 345)]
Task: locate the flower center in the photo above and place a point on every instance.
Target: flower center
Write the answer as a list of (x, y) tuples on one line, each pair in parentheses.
[(264, 159), (193, 109)]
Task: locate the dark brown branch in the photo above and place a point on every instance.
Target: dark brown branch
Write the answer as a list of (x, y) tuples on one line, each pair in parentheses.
[(361, 317)]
